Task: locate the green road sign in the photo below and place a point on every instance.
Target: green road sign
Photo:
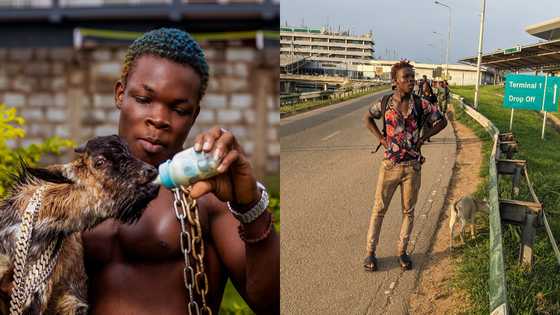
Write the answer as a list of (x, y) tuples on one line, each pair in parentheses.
[(527, 92), (512, 50)]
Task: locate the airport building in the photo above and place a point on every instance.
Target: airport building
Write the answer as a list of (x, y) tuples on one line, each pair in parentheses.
[(321, 52), (324, 51), (458, 74)]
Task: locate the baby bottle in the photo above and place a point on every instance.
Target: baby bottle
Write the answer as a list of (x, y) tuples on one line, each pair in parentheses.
[(186, 168)]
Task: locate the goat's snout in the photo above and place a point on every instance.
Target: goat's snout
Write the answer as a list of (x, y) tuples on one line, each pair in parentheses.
[(148, 172)]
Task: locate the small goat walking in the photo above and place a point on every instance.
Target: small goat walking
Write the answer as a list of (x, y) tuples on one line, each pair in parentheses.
[(463, 212), (105, 181)]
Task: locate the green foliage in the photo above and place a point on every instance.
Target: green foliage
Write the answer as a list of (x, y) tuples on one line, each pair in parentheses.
[(10, 130), (233, 303), (538, 291)]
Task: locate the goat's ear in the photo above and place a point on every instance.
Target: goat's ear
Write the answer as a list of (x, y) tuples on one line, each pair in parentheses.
[(81, 149), (52, 174)]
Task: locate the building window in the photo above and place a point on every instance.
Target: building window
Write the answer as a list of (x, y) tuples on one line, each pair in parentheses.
[(359, 42), (337, 48)]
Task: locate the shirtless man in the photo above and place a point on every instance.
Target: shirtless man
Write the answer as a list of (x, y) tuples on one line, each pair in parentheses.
[(138, 269)]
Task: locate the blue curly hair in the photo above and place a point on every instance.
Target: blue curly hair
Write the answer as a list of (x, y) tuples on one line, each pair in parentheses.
[(172, 44)]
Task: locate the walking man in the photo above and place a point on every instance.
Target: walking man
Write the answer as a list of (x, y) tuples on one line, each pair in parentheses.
[(404, 115), (440, 94), (446, 100)]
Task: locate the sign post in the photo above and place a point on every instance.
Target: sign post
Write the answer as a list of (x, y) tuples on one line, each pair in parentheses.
[(511, 119), (542, 109), (532, 92)]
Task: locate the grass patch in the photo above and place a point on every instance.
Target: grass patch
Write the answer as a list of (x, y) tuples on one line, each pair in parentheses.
[(299, 107), (232, 302), (536, 292)]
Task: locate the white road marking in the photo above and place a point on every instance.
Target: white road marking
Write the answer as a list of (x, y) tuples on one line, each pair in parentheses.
[(331, 135)]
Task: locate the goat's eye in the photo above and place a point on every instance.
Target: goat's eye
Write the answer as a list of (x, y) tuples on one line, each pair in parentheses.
[(99, 162)]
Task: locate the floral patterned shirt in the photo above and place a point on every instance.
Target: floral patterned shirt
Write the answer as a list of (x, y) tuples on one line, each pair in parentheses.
[(402, 130)]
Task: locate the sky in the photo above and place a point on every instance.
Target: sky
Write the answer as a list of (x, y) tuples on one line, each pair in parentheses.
[(405, 28)]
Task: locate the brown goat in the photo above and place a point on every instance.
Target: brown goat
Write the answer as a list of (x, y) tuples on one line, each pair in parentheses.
[(105, 181)]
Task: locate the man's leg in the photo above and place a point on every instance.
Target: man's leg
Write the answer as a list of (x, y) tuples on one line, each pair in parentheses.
[(387, 182), (409, 195)]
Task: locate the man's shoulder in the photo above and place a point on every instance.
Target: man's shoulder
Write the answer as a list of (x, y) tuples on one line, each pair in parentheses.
[(375, 109)]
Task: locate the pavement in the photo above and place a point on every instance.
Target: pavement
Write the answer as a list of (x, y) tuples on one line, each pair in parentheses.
[(328, 176)]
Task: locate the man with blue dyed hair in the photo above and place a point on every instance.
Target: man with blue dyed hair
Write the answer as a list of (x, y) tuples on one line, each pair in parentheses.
[(153, 266)]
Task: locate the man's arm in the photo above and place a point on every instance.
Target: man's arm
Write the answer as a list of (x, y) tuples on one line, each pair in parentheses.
[(436, 128), (253, 268), (374, 113), (435, 119)]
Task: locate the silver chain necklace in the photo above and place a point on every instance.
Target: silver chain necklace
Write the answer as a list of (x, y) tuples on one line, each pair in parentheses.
[(31, 278)]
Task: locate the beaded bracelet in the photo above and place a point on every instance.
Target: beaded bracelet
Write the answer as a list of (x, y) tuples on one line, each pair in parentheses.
[(242, 232)]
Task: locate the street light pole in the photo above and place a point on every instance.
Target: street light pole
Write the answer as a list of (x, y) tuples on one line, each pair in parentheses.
[(480, 38), (448, 40), (441, 38)]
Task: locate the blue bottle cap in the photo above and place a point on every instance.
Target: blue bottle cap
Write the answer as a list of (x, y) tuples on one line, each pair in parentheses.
[(165, 175)]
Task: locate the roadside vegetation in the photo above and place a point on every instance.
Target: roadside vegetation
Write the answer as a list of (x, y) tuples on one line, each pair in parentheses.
[(529, 292), (305, 106), (11, 157)]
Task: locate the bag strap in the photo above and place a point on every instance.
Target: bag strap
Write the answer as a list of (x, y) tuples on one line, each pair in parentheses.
[(384, 104), (420, 119)]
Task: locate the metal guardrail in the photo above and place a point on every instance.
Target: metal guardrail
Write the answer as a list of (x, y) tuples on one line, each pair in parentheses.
[(497, 279), (295, 98), (527, 214)]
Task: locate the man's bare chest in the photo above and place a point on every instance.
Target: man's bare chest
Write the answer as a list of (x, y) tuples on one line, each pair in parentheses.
[(155, 236)]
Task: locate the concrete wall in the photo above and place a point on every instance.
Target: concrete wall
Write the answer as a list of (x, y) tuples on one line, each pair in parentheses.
[(458, 77), (69, 93)]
